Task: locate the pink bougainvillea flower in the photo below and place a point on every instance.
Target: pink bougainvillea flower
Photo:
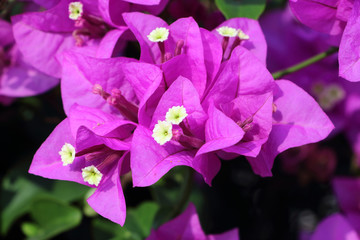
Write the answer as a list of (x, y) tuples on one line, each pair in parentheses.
[(89, 147), (346, 190), (336, 17), (338, 98), (150, 159), (111, 10), (121, 86), (246, 32), (187, 226), (178, 48), (349, 56), (335, 227), (243, 92), (43, 36), (327, 16), (296, 121), (345, 225), (18, 79)]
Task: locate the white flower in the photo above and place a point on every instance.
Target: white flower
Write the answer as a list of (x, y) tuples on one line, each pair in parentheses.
[(75, 10), (176, 114), (162, 132), (159, 34), (91, 175), (242, 35), (227, 31), (67, 154)]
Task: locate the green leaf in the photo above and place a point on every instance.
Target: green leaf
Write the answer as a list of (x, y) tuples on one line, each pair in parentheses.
[(140, 220), (138, 224), (241, 8), (69, 191), (26, 192), (53, 217), (29, 229)]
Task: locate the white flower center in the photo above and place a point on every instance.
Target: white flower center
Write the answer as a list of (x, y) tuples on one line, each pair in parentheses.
[(67, 154), (159, 34), (91, 175), (162, 132), (176, 115), (328, 96), (242, 35), (227, 31), (75, 10)]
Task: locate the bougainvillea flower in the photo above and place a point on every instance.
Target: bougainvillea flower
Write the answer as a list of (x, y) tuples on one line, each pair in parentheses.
[(111, 10), (335, 227), (248, 34), (151, 160), (108, 84), (345, 225), (349, 56), (327, 16), (346, 191), (43, 36), (180, 52), (187, 226), (89, 147), (339, 99), (291, 128), (336, 18), (243, 92), (18, 79)]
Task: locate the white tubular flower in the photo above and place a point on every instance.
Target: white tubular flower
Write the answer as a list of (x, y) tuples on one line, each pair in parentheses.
[(176, 114), (75, 10), (91, 175), (335, 92), (227, 31), (159, 34), (242, 35), (67, 154), (162, 132)]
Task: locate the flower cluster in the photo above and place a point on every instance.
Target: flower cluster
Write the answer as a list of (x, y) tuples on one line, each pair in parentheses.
[(193, 98)]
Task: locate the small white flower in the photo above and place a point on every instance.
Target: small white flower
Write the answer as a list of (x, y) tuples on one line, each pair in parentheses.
[(335, 92), (242, 35), (67, 154), (227, 31), (159, 34), (91, 175), (176, 114), (75, 10), (162, 132)]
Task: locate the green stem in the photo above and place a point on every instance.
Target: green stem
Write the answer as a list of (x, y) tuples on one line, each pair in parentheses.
[(305, 63)]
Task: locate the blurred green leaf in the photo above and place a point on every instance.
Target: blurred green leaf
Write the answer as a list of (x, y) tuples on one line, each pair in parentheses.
[(29, 229), (53, 217), (69, 191), (241, 8), (138, 224), (26, 192), (140, 219), (87, 209)]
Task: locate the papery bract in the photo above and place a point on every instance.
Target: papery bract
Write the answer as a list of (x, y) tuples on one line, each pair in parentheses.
[(100, 140), (291, 127)]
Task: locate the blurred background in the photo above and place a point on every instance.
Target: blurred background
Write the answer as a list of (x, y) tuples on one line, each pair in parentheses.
[(288, 205)]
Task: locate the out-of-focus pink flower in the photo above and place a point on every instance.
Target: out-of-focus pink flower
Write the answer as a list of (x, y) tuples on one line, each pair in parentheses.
[(187, 226)]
